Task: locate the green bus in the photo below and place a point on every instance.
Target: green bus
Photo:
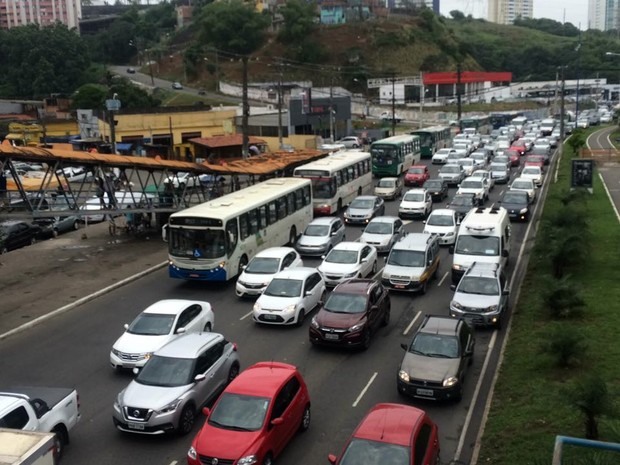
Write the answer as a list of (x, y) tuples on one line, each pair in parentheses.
[(433, 139), (481, 124), (394, 155)]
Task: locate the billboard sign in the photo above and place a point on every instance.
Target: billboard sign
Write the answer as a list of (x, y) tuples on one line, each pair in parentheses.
[(582, 173)]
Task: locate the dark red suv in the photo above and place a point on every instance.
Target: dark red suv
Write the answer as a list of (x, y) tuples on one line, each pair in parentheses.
[(353, 312)]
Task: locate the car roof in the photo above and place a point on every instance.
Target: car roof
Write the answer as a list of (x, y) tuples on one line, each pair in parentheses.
[(515, 191), (171, 306), (413, 241), (389, 179), (262, 379), (349, 245), (521, 178), (439, 325), (189, 345), (442, 211), (324, 220), (390, 423), (300, 272), (275, 252), (481, 269), (366, 197), (355, 286), (384, 219), (416, 190)]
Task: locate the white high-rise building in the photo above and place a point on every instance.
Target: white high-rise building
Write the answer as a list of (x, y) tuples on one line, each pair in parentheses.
[(604, 14), (506, 11), (15, 13)]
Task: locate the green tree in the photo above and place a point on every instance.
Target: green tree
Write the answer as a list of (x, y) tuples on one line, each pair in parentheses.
[(577, 142), (237, 29), (90, 96), (591, 396), (298, 22)]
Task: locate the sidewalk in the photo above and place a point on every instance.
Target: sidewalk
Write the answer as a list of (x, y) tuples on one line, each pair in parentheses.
[(50, 274)]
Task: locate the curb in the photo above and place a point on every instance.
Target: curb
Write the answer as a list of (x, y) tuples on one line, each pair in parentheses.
[(82, 300)]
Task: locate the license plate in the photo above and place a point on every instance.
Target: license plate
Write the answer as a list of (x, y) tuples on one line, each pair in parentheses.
[(332, 337), (136, 426), (399, 286), (270, 317), (194, 275), (424, 392)]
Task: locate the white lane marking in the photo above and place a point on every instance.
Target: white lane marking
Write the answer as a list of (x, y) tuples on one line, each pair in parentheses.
[(174, 462), (407, 222), (417, 315), (372, 378), (501, 192), (246, 315), (470, 411), (443, 278), (611, 200)]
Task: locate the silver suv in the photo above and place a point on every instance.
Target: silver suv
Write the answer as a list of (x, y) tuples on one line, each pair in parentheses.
[(481, 295), (177, 381)]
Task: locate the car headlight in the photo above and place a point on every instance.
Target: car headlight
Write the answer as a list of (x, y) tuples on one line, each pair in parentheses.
[(314, 323), (350, 275), (347, 214), (415, 279), (386, 275), (171, 407), (492, 308), (458, 267), (247, 460), (404, 376), (357, 327), (146, 355), (257, 307), (116, 352), (450, 233), (455, 304), (289, 308), (118, 401), (523, 211), (450, 381), (191, 453)]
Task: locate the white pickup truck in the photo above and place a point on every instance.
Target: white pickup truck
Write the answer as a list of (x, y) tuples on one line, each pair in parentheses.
[(26, 448), (43, 409)]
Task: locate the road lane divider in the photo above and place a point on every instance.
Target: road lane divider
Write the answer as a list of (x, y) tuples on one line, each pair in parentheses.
[(372, 378), (408, 328), (246, 315), (611, 200), (443, 278)]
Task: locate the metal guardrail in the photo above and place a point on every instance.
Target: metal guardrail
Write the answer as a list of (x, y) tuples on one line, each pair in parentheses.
[(560, 441)]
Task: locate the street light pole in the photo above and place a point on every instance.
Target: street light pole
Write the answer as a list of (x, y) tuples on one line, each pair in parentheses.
[(280, 107)]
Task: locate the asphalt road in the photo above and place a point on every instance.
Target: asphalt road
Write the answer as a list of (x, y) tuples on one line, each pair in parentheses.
[(72, 350)]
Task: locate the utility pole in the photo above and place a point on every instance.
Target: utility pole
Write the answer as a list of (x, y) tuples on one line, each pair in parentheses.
[(422, 97), (458, 91), (393, 104), (562, 113), (150, 67), (246, 109), (331, 109), (280, 107), (577, 49)]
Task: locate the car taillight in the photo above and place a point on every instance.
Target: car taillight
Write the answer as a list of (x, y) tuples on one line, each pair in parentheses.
[(235, 346), (78, 401)]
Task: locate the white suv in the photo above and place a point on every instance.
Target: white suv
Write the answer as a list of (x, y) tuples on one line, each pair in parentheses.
[(415, 203)]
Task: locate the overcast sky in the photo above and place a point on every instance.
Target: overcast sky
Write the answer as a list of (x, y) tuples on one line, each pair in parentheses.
[(571, 11)]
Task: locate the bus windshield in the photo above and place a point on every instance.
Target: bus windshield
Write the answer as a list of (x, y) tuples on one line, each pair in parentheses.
[(383, 154), (426, 139), (323, 188), (197, 243)]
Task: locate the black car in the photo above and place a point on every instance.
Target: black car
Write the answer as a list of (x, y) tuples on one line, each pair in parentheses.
[(16, 234), (438, 188), (517, 204), (462, 203)]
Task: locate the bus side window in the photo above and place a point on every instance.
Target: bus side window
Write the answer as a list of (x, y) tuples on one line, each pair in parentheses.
[(272, 213), (253, 221), (281, 208), (231, 231), (262, 218), (299, 199), (244, 230), (290, 200), (307, 196)]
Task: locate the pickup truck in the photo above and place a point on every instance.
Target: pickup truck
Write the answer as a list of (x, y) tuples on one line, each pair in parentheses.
[(26, 448), (42, 409)]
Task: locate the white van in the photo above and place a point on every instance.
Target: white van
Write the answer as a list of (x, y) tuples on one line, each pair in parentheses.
[(519, 122), (547, 126), (484, 236)]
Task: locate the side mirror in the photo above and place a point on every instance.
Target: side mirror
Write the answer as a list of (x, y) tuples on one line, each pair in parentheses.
[(403, 346), (504, 253), (374, 308), (244, 267), (499, 201), (323, 257), (126, 326), (506, 293), (164, 233), (423, 221), (334, 233), (332, 458), (206, 411), (451, 250), (453, 287), (200, 377), (135, 371), (277, 421), (180, 330), (364, 260)]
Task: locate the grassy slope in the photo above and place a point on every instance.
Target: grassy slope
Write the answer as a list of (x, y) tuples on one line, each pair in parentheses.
[(530, 406)]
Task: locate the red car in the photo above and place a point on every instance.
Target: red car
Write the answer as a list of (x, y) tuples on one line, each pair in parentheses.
[(254, 418), (392, 434), (514, 157), (519, 146), (417, 175), (535, 160)]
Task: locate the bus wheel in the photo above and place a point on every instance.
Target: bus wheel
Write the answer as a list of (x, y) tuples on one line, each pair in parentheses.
[(292, 238), (243, 261)]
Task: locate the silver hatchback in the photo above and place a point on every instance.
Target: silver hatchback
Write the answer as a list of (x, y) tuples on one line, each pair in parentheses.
[(176, 382), (320, 236)]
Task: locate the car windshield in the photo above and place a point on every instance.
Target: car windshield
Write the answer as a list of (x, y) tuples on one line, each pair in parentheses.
[(461, 201), (263, 265), (440, 220), (466, 162), (379, 227), (342, 256), (284, 288), (346, 303), (471, 184), (239, 412), (515, 197), (478, 285), (362, 203), (414, 197), (416, 171), (151, 324), (450, 169), (435, 345), (477, 245), (522, 185), (410, 258), (432, 185), (316, 230), (166, 371), (386, 183), (498, 167), (367, 452), (533, 170), (477, 156)]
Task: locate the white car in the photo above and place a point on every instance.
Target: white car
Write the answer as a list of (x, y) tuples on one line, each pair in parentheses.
[(443, 223), (182, 180), (350, 142), (383, 232), (291, 295), (474, 186), (440, 157), (468, 166), (159, 324), (124, 199), (259, 272), (485, 175), (525, 184), (479, 159), (348, 260), (534, 173), (452, 173), (415, 203)]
